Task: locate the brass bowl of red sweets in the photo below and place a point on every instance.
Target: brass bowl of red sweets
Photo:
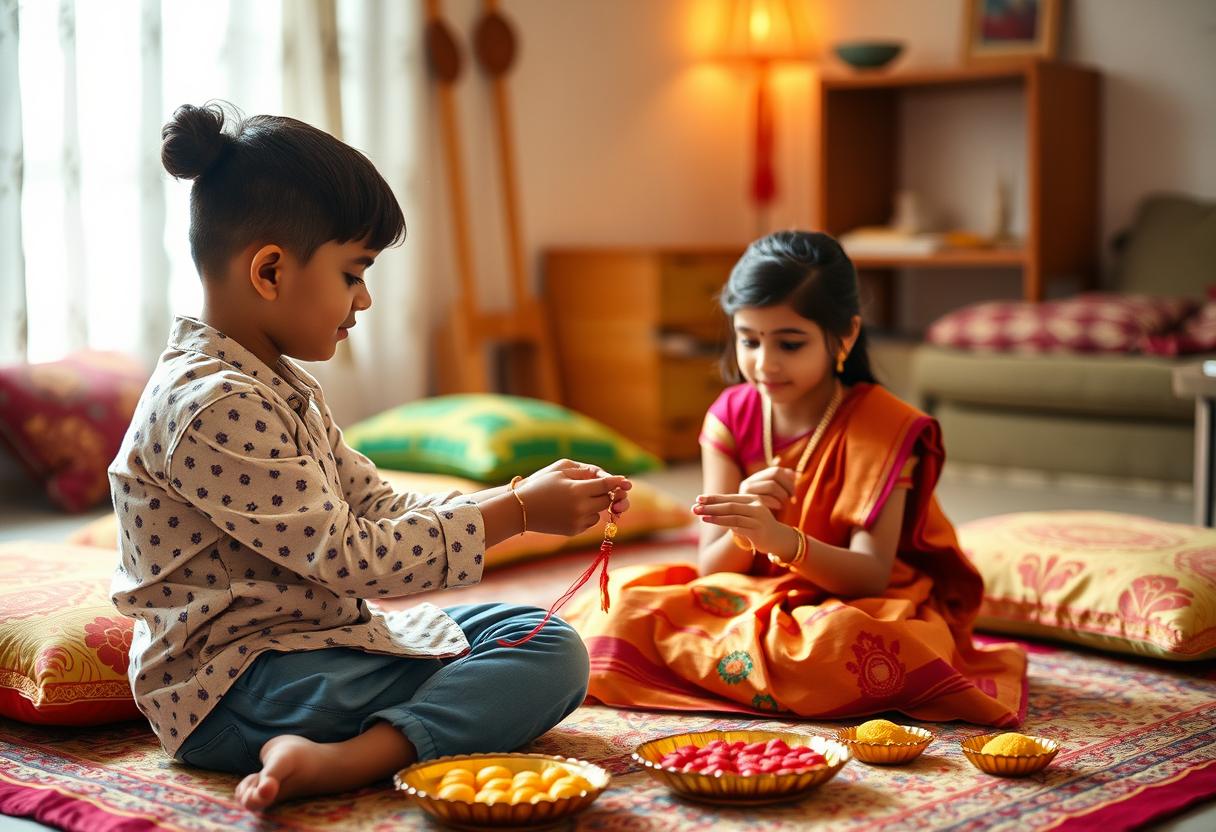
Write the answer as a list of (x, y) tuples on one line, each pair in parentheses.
[(742, 768)]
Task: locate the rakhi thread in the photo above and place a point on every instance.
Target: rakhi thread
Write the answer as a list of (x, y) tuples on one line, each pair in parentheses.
[(600, 562)]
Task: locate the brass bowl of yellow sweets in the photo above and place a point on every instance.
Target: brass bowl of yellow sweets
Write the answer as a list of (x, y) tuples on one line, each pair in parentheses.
[(1009, 754), (882, 742), (476, 791)]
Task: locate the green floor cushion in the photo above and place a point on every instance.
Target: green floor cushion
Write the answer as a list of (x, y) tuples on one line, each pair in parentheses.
[(491, 438)]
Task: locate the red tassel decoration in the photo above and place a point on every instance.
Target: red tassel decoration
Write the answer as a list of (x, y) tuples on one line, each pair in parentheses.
[(601, 560), (764, 177)]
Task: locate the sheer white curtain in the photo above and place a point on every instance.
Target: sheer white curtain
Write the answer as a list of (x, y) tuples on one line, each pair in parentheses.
[(93, 239), (368, 55), (12, 170)]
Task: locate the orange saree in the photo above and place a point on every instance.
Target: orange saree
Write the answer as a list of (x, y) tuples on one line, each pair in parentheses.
[(771, 641)]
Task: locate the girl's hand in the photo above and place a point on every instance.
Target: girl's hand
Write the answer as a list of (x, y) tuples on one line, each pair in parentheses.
[(774, 486), (568, 497), (750, 520)]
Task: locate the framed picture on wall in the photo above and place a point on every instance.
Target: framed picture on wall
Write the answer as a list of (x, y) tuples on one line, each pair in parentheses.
[(1003, 30)]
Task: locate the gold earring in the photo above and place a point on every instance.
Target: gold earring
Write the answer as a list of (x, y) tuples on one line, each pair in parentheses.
[(840, 356)]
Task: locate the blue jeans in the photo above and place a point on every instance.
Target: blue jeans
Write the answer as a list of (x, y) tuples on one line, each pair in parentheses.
[(491, 699)]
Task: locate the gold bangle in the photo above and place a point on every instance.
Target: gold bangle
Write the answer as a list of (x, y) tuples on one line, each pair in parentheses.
[(514, 482), (800, 554)]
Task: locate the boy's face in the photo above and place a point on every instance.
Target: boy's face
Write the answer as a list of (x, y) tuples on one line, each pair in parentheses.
[(319, 299)]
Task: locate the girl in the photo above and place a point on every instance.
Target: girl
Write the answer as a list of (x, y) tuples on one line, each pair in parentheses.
[(252, 535), (831, 584)]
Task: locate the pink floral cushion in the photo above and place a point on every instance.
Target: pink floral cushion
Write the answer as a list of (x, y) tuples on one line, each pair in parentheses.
[(64, 421), (1105, 580), (1089, 323)]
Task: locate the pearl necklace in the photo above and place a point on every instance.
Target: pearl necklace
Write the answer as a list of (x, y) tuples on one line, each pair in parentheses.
[(813, 442)]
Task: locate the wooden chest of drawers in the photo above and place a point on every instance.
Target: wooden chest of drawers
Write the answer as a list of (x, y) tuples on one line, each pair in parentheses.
[(638, 335)]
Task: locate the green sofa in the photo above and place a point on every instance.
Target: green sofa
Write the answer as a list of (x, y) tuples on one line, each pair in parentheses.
[(1110, 415)]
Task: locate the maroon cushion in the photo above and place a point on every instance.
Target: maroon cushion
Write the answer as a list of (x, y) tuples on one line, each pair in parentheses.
[(1090, 323), (1196, 334), (64, 420)]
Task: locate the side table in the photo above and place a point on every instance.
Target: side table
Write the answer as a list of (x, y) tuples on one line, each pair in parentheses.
[(1199, 380)]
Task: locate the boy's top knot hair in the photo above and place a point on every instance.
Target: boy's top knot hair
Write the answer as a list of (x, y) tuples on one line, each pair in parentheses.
[(193, 140), (273, 180)]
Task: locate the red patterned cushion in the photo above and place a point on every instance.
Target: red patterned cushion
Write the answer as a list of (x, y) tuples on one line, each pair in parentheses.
[(1199, 331), (1089, 323), (1196, 334), (65, 420)]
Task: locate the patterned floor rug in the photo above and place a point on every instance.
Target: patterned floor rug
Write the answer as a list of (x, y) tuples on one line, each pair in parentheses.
[(1138, 743)]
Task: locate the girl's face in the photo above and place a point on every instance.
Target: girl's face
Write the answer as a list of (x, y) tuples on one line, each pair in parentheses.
[(781, 353), (322, 297)]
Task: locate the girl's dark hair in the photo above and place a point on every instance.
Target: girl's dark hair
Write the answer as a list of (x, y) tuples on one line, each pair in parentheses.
[(273, 179), (809, 271)]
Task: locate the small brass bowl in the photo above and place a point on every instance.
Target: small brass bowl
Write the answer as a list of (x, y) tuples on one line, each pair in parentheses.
[(1009, 765), (421, 782), (886, 753), (737, 789)]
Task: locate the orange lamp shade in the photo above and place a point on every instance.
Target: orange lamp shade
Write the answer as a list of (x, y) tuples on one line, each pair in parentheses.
[(765, 31)]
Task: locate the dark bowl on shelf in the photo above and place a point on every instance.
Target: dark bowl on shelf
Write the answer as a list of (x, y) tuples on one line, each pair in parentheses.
[(868, 54)]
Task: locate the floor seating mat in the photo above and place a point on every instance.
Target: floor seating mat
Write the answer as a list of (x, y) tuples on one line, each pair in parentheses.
[(1138, 743)]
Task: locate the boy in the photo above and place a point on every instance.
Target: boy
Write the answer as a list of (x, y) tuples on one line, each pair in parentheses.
[(251, 533)]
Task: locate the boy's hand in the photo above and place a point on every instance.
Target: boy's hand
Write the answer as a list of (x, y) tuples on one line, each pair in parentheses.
[(567, 497), (774, 486), (622, 498)]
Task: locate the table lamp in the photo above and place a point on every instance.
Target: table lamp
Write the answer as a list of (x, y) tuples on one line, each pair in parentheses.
[(759, 34)]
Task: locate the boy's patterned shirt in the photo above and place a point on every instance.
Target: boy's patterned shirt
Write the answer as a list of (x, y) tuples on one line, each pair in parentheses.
[(247, 524)]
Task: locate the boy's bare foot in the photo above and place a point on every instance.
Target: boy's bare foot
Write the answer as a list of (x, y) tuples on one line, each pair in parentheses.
[(293, 766)]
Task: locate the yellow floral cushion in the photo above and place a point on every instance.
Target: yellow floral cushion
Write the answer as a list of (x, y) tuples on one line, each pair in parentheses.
[(63, 646), (650, 510), (1104, 580), (491, 438)]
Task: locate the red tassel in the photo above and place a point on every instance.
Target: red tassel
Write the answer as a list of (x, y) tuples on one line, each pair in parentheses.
[(606, 550), (764, 177), (600, 560)]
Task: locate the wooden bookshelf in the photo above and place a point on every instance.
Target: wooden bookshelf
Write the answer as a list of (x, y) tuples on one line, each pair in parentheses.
[(936, 77), (860, 134), (959, 258), (639, 336)]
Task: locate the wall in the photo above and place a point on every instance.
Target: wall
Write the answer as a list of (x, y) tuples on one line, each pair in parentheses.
[(626, 134)]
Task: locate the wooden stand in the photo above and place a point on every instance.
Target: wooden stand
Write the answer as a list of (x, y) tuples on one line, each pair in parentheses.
[(472, 332), (859, 166)]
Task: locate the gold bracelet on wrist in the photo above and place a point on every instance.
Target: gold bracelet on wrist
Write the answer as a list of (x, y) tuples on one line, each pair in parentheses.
[(799, 552), (523, 509)]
